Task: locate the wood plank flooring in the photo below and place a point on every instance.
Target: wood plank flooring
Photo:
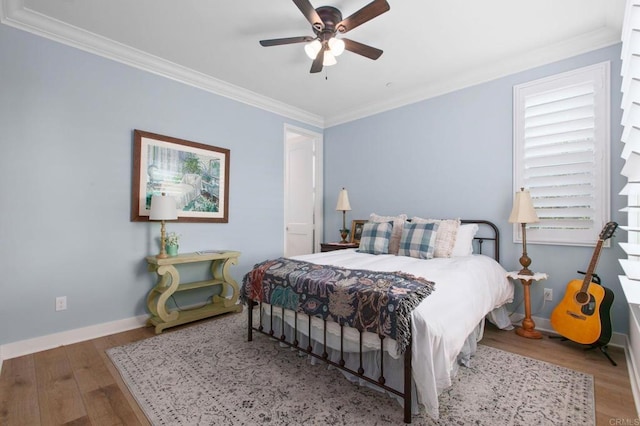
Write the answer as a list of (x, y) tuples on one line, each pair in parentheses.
[(78, 385)]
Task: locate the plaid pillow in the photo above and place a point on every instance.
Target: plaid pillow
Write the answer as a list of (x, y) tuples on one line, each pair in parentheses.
[(396, 232), (375, 237), (446, 235), (418, 240)]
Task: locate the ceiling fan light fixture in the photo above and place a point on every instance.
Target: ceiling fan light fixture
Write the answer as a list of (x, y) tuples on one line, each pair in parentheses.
[(329, 59), (312, 49), (327, 22), (336, 45)]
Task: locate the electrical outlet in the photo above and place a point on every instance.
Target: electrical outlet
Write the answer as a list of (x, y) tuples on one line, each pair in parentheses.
[(548, 294), (61, 303)]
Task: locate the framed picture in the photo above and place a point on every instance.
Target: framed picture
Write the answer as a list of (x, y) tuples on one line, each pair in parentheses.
[(195, 174), (356, 230)]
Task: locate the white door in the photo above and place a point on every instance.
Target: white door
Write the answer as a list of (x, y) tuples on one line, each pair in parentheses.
[(302, 191)]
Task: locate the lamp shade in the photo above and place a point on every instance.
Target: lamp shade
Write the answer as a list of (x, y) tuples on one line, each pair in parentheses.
[(329, 59), (336, 45), (523, 211), (163, 207), (343, 201), (313, 48)]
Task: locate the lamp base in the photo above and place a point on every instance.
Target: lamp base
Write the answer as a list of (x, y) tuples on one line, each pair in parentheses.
[(344, 233), (529, 334), (528, 328), (525, 271), (163, 252)]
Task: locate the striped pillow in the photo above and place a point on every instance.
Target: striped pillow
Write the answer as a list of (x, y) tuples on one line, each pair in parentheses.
[(418, 240), (375, 237)]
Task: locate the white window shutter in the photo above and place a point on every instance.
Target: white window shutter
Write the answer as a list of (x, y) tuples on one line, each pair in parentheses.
[(561, 154), (631, 152)]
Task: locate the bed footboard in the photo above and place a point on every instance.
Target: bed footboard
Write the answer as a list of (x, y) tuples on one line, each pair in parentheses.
[(294, 342), (488, 234)]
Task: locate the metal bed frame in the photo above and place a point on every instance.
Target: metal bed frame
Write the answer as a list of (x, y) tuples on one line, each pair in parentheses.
[(406, 394)]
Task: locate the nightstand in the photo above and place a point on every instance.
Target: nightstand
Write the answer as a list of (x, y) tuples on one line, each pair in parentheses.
[(528, 328), (324, 247)]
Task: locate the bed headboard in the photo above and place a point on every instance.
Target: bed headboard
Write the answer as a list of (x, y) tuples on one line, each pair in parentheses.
[(488, 232)]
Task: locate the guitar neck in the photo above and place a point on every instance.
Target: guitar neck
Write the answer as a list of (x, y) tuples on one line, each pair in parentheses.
[(592, 266)]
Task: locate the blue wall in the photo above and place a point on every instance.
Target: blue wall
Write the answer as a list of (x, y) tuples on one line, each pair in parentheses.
[(451, 156), (67, 120)]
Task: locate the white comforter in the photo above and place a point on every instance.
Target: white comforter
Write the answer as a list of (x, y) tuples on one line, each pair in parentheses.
[(466, 290)]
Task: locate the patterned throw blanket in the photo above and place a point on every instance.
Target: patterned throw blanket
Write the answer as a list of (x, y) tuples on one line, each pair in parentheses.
[(378, 302)]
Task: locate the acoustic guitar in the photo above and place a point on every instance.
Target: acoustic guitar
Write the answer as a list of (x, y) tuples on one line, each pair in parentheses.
[(583, 314)]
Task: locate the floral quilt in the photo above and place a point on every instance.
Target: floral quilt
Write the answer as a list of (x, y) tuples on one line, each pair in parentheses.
[(378, 302)]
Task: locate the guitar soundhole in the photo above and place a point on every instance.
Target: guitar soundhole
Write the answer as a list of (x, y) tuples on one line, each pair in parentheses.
[(582, 297), (590, 307)]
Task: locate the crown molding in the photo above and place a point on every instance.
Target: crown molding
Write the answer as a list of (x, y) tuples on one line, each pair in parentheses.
[(15, 14), (603, 37)]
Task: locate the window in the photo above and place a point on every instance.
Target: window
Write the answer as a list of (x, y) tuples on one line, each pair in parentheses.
[(561, 154), (631, 155)]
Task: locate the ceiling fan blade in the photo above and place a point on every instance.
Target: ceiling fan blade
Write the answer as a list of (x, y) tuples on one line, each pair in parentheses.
[(367, 13), (286, 40), (361, 49), (316, 66), (310, 13)]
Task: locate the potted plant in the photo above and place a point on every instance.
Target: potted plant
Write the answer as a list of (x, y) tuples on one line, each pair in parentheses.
[(171, 243)]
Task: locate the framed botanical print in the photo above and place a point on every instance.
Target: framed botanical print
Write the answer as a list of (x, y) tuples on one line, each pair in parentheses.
[(195, 174)]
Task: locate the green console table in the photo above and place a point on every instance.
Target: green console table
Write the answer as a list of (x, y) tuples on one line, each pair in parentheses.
[(169, 283)]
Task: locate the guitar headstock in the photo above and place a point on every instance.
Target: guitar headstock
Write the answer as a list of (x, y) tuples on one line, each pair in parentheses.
[(608, 230)]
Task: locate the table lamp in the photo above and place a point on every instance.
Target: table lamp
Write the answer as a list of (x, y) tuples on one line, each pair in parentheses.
[(163, 208), (344, 206), (523, 213)]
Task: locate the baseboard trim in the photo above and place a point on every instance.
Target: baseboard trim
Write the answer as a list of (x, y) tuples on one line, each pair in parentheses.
[(42, 343), (543, 324)]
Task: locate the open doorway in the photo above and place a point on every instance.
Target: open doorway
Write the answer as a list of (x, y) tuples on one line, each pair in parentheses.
[(302, 191)]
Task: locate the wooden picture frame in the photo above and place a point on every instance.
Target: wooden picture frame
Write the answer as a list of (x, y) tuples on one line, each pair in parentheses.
[(356, 230), (195, 174)]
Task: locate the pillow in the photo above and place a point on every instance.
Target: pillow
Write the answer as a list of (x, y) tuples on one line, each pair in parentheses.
[(418, 240), (464, 240), (446, 235), (375, 238), (396, 233)]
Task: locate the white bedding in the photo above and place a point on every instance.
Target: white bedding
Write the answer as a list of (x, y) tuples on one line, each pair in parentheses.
[(466, 290)]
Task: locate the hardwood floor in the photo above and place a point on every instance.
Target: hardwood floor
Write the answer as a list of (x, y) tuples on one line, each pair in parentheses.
[(78, 385)]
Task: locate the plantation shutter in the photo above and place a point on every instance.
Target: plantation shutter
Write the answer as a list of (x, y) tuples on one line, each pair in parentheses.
[(631, 154), (561, 136)]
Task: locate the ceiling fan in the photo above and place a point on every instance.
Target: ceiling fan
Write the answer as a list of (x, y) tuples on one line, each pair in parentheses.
[(327, 22)]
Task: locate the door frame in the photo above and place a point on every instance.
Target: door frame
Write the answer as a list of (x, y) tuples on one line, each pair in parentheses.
[(318, 213)]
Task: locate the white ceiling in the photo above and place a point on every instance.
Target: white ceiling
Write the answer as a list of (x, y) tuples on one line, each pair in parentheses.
[(430, 47)]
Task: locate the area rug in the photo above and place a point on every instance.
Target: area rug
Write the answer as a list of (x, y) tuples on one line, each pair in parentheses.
[(208, 374)]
